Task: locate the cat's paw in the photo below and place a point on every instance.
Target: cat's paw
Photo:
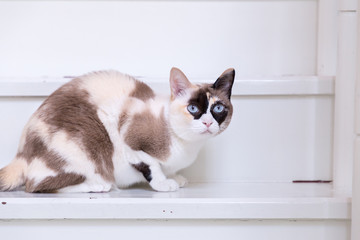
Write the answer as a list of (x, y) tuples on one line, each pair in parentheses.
[(182, 181), (167, 185)]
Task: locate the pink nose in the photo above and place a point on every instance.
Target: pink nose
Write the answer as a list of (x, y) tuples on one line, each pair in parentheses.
[(207, 124)]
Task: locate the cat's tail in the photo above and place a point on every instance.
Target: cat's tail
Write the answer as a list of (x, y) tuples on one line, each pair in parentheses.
[(13, 175)]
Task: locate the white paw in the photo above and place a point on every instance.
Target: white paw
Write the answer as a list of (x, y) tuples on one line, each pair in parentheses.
[(167, 185), (182, 181)]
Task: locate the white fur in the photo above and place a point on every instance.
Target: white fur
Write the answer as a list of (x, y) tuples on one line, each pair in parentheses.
[(107, 87), (38, 171)]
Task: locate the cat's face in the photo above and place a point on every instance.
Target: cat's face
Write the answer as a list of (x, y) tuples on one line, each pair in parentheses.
[(198, 112)]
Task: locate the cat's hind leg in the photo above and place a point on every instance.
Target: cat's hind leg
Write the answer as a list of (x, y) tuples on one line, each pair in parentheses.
[(66, 183), (54, 183), (87, 186)]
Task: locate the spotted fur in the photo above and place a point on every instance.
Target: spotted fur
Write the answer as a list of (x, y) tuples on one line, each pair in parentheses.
[(107, 129)]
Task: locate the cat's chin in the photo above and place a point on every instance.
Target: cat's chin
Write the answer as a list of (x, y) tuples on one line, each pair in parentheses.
[(200, 137), (194, 137), (207, 132)]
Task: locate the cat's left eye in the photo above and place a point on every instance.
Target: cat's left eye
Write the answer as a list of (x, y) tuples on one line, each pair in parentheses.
[(219, 108)]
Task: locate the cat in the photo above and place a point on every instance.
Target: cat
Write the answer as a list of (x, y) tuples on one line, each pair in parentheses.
[(107, 130)]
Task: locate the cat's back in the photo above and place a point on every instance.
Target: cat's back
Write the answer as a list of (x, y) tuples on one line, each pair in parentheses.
[(106, 86), (109, 90)]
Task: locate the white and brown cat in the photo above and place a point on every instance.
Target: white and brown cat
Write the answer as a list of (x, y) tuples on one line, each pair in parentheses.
[(106, 129)]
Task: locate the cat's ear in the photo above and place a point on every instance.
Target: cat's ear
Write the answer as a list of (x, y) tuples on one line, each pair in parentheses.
[(178, 83), (225, 82)]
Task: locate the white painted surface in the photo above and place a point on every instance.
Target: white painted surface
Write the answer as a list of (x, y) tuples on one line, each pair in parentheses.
[(348, 5), (147, 38), (327, 37), (175, 229), (355, 230), (344, 122), (277, 86), (197, 201), (357, 103)]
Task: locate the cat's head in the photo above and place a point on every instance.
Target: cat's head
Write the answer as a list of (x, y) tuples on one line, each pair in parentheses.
[(200, 111)]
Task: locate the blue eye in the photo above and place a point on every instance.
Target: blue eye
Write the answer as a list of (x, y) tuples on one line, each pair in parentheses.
[(218, 108), (192, 108)]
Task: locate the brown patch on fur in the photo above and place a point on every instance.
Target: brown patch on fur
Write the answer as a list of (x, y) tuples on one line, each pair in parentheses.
[(225, 82), (144, 169), (29, 185), (199, 98), (142, 91), (53, 183), (224, 98), (122, 119), (35, 147), (69, 109), (149, 134), (3, 186)]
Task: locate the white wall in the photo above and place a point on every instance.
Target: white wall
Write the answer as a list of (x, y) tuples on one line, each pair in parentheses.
[(355, 231), (147, 38)]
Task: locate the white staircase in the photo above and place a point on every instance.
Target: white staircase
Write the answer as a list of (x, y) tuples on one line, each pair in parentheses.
[(296, 115)]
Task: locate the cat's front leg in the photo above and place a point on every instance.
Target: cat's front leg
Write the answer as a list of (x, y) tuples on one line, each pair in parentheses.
[(166, 185), (159, 182), (156, 178), (152, 172)]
